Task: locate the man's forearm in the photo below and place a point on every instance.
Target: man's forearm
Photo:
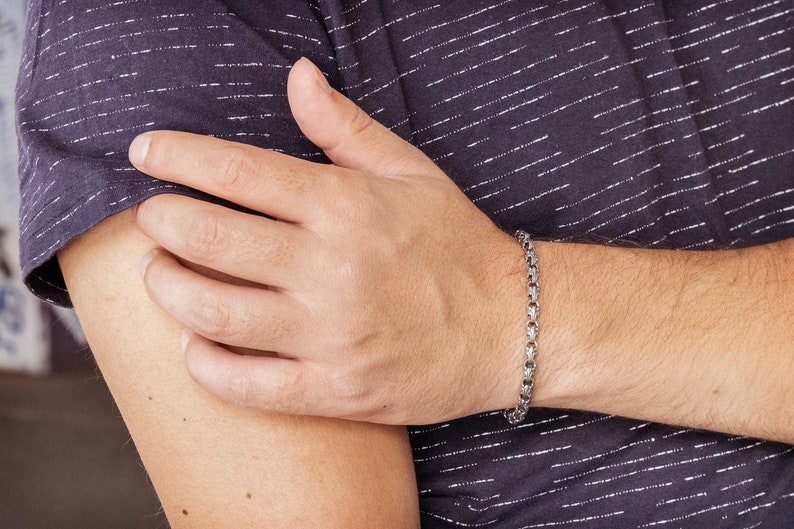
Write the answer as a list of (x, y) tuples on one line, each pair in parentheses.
[(700, 339)]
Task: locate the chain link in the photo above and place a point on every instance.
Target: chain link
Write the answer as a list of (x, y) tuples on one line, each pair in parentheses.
[(516, 415)]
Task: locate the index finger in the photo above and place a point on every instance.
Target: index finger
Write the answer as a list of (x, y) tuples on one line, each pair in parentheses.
[(273, 183)]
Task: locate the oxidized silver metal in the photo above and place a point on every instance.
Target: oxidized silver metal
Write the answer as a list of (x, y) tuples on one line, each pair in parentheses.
[(516, 415)]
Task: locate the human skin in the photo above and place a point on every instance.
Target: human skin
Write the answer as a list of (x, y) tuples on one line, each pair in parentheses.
[(386, 285), (216, 465)]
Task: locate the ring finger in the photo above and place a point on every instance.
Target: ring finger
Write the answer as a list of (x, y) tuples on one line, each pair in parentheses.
[(236, 315)]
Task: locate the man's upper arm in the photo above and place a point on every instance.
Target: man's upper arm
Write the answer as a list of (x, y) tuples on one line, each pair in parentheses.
[(214, 465)]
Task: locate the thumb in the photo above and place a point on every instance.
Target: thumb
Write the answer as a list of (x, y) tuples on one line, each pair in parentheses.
[(347, 135)]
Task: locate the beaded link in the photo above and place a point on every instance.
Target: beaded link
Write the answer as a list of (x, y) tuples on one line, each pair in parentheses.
[(516, 415)]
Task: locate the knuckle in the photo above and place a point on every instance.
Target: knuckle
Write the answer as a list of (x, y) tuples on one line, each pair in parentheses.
[(358, 121), (349, 389), (235, 164), (359, 278), (283, 329), (252, 327), (355, 338), (240, 388), (210, 316), (343, 274), (275, 249), (203, 237), (357, 397), (291, 393), (354, 123), (291, 179)]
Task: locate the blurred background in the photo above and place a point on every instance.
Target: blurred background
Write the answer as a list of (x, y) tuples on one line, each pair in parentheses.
[(66, 459)]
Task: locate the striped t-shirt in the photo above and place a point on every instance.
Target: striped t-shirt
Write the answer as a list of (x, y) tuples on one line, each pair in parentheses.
[(650, 123)]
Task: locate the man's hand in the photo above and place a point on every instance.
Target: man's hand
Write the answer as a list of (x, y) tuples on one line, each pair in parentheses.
[(381, 291), (383, 294)]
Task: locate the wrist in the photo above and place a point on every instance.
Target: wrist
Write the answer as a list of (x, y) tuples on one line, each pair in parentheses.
[(563, 377), (517, 414), (502, 329), (565, 323), (558, 381)]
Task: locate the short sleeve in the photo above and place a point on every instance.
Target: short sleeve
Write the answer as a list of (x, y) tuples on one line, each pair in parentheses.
[(95, 74)]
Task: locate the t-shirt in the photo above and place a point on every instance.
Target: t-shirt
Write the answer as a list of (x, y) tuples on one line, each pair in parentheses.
[(652, 123)]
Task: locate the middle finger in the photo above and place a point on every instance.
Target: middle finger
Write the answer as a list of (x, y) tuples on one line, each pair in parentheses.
[(238, 244)]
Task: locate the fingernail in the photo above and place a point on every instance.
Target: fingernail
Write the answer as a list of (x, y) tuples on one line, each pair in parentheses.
[(184, 340), (138, 149), (322, 81), (144, 264)]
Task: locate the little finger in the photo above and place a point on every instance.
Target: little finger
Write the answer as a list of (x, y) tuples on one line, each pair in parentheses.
[(269, 384)]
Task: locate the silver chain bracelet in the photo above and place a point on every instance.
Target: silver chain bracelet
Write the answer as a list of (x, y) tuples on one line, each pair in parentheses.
[(516, 415)]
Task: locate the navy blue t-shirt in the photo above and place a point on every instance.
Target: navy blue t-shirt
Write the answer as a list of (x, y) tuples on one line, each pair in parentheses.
[(652, 123)]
